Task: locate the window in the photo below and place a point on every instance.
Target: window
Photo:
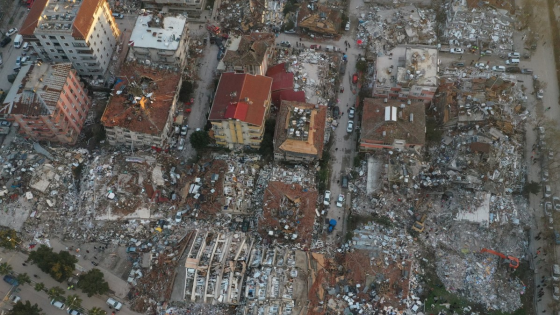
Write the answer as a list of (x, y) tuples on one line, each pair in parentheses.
[(48, 44), (62, 37), (52, 50), (78, 64), (52, 37), (66, 44), (43, 36), (75, 58), (71, 51)]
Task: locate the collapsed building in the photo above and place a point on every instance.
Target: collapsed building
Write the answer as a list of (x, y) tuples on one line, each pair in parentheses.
[(249, 54)]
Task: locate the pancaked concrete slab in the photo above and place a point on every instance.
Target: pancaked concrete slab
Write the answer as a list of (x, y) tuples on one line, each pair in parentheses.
[(374, 167)]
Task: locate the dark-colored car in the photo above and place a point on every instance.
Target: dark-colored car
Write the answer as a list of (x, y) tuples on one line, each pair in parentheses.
[(557, 238), (344, 181), (11, 280), (526, 71), (5, 42), (336, 112), (459, 64)]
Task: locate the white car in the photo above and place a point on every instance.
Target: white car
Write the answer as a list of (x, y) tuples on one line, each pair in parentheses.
[(457, 51), (499, 68), (179, 217), (540, 94), (74, 312), (340, 201), (514, 55), (57, 304), (481, 65), (548, 208), (11, 31), (184, 130), (327, 200), (114, 304), (556, 203), (350, 126)]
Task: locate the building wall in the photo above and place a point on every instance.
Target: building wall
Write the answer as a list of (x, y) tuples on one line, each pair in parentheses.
[(166, 57), (89, 56), (197, 5), (66, 123)]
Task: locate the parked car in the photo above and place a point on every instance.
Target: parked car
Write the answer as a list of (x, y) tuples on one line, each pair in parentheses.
[(11, 280), (18, 61), (556, 203), (1, 59), (5, 42), (290, 32), (179, 217), (547, 191), (340, 201), (57, 304), (11, 31), (481, 65), (458, 64), (347, 27), (184, 130), (315, 46), (344, 181), (355, 78), (499, 68), (285, 44), (556, 240), (545, 176), (457, 51), (350, 126), (114, 304), (336, 112), (327, 200), (556, 293), (351, 112), (514, 55), (14, 299), (548, 208), (74, 312), (540, 94), (526, 71)]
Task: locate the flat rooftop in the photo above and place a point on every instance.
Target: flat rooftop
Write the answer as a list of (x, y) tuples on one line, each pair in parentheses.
[(141, 99), (408, 66), (71, 16), (38, 90), (158, 32)]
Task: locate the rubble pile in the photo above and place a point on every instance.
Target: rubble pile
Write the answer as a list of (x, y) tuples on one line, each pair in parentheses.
[(236, 17), (383, 28)]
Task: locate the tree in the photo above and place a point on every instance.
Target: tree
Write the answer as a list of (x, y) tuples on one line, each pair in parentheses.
[(200, 139), (532, 188), (9, 239), (5, 268), (40, 286), (97, 311), (73, 302), (26, 309), (93, 282), (59, 265), (288, 26), (23, 278), (361, 65), (186, 91), (56, 293)]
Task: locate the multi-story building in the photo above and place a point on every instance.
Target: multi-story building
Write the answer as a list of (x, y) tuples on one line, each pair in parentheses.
[(140, 111), (48, 102), (240, 108), (82, 32), (300, 132), (193, 7), (249, 54), (160, 40)]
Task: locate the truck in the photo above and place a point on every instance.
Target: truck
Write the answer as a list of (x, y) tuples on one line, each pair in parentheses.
[(332, 225)]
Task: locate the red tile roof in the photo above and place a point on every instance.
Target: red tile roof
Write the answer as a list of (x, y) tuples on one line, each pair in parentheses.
[(287, 95), (32, 18), (251, 91), (281, 80)]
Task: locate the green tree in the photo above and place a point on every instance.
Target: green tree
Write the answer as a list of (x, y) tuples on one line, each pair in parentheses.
[(40, 286), (73, 302), (25, 309), (56, 293), (186, 91), (93, 282), (267, 144), (97, 311), (9, 239), (200, 139), (288, 26), (532, 188), (59, 265), (5, 268), (361, 65), (23, 278)]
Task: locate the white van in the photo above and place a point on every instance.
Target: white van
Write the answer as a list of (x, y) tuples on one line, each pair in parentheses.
[(25, 46), (555, 272), (18, 41), (512, 61), (118, 15)]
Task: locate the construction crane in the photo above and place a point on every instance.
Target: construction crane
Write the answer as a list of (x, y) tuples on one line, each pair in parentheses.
[(513, 261)]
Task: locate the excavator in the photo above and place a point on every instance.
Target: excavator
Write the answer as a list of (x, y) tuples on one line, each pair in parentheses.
[(513, 261)]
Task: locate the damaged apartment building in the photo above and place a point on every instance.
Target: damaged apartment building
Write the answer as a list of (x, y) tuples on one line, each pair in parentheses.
[(161, 40), (249, 54), (141, 108), (232, 268), (48, 102), (407, 73)]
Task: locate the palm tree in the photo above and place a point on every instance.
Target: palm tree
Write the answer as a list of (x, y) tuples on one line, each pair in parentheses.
[(56, 293), (73, 302), (5, 268), (40, 286), (23, 278), (97, 311)]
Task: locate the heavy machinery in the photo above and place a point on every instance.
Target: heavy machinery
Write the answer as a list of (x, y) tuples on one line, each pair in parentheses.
[(513, 261)]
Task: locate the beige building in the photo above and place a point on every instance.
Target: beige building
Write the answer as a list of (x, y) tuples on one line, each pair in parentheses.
[(141, 108), (160, 40), (240, 109), (249, 54), (81, 32), (300, 132)]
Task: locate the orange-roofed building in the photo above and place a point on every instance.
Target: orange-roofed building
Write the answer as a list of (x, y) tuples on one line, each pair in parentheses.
[(82, 32), (241, 106), (141, 109)]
